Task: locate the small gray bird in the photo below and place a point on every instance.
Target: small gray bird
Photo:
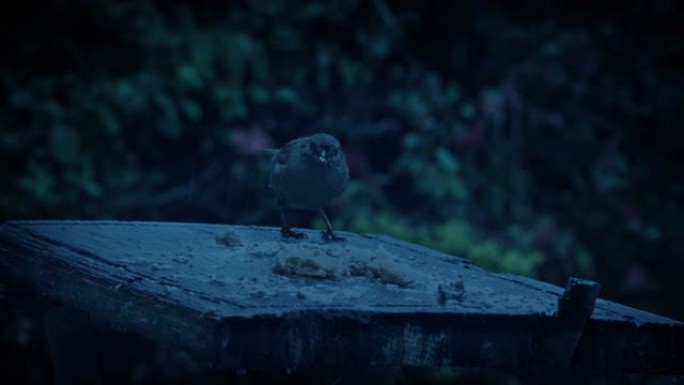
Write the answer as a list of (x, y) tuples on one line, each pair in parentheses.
[(307, 173)]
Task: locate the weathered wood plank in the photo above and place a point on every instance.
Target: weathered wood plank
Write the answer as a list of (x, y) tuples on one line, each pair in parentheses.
[(242, 296)]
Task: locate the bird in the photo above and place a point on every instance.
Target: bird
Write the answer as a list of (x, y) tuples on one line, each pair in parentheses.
[(306, 173)]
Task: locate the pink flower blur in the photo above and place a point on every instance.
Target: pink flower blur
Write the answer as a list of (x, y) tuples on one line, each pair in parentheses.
[(473, 136), (251, 140)]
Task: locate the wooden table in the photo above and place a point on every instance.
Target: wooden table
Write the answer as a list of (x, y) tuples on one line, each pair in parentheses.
[(242, 296)]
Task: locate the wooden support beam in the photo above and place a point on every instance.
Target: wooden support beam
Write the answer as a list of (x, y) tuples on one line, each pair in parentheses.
[(557, 346)]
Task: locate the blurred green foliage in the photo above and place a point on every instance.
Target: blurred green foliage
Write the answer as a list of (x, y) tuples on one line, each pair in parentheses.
[(544, 146)]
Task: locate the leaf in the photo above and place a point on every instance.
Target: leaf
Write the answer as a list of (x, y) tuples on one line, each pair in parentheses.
[(191, 109), (64, 144), (447, 160), (40, 184), (188, 76), (169, 123), (85, 180), (518, 262)]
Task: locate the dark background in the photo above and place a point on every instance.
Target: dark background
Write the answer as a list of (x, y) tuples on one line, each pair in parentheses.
[(538, 139)]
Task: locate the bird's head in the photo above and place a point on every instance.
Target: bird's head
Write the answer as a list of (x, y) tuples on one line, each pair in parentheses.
[(324, 148)]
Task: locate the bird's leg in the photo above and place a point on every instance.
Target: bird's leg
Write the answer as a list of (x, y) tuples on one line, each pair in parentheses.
[(286, 231), (328, 234)]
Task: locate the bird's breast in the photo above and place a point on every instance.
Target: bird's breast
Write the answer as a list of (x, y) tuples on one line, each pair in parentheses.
[(311, 186)]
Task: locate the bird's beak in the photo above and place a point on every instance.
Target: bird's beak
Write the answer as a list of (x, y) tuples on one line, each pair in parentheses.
[(321, 156)]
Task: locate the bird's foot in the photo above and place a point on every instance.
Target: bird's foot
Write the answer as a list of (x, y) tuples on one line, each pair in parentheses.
[(287, 232), (329, 235)]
